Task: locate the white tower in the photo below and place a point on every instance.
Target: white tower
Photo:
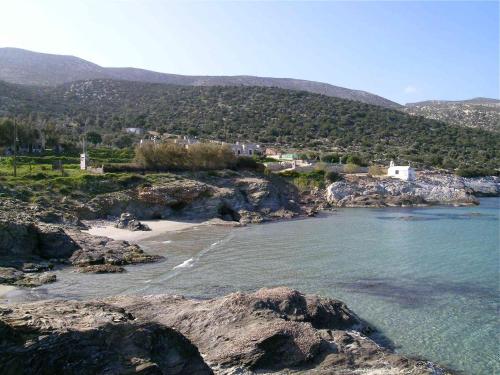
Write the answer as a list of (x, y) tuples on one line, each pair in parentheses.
[(83, 156)]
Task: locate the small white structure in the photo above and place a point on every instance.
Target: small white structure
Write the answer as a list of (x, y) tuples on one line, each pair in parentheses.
[(246, 149), (136, 131), (403, 172), (84, 160)]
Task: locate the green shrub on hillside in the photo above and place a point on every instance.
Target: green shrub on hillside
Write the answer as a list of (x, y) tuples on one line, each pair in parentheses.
[(306, 180), (245, 162), (171, 156), (333, 177), (376, 170), (330, 158), (351, 168), (474, 172)]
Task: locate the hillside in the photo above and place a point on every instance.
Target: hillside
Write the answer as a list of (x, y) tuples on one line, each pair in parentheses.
[(41, 69), (482, 113), (267, 115)]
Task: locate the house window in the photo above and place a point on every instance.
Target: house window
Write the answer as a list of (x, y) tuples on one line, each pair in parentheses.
[(397, 171), (239, 152), (249, 152)]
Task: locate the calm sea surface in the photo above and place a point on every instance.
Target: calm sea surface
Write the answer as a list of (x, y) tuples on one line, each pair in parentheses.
[(427, 278)]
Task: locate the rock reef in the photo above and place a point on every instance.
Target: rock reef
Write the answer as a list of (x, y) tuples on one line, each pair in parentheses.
[(279, 331)]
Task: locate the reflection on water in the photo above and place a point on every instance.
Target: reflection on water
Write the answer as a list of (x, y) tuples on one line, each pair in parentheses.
[(428, 278)]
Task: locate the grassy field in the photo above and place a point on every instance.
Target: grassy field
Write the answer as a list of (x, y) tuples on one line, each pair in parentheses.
[(36, 177)]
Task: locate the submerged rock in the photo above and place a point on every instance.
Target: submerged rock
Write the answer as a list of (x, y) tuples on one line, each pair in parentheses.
[(101, 268), (279, 331)]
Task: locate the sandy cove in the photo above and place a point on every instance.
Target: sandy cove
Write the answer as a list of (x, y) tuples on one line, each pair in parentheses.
[(108, 229)]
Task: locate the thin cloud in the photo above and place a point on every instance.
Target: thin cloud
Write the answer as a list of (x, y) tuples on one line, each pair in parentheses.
[(410, 89)]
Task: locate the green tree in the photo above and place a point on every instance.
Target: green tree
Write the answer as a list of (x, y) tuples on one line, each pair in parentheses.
[(94, 138)]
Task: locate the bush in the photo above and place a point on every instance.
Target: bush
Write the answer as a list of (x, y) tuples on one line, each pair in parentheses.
[(123, 168), (171, 156), (354, 159), (245, 162), (351, 168), (290, 174), (376, 170), (333, 177), (330, 158), (474, 172)]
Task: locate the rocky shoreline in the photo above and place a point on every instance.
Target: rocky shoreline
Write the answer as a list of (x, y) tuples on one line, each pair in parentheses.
[(279, 331), (33, 241), (36, 238), (427, 189)]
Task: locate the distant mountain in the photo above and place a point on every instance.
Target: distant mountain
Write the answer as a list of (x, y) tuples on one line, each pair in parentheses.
[(41, 69), (483, 113)]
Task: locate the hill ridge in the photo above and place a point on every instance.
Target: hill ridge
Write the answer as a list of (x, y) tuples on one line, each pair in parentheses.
[(45, 69)]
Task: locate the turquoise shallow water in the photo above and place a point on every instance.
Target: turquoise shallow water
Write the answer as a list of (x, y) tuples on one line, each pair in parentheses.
[(428, 278)]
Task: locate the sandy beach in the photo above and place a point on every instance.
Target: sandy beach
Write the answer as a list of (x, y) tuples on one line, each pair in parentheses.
[(5, 289), (107, 229)]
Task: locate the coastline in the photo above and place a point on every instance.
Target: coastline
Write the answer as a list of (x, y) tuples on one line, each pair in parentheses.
[(173, 226)]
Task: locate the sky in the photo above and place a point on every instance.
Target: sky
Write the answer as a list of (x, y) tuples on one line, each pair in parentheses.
[(404, 51)]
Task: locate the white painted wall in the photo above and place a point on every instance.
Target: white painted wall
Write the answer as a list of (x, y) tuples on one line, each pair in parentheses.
[(405, 173)]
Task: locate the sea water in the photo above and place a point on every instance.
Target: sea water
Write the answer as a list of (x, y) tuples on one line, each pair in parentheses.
[(426, 278)]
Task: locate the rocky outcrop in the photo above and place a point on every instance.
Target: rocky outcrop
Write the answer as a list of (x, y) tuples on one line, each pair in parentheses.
[(68, 337), (231, 196), (96, 250), (13, 276), (277, 331), (129, 221), (427, 189), (29, 246)]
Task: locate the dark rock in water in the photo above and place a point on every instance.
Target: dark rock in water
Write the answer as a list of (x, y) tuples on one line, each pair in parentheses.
[(103, 250), (37, 267), (91, 338), (12, 276), (101, 268), (129, 221)]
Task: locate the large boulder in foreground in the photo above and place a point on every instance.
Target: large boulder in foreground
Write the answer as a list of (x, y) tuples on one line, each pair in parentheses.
[(91, 338), (279, 331)]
